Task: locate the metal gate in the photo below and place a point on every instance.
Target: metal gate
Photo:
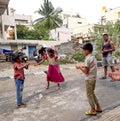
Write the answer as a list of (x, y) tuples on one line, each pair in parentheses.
[(31, 50)]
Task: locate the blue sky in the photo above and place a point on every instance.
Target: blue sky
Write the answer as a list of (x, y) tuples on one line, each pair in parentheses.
[(89, 9)]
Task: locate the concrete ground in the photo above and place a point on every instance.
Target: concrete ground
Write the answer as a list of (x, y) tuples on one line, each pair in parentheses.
[(67, 104)]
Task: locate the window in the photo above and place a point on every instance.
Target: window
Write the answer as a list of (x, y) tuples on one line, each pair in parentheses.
[(79, 22)]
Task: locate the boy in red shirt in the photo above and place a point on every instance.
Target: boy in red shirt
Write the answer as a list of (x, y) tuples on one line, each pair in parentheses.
[(19, 79)]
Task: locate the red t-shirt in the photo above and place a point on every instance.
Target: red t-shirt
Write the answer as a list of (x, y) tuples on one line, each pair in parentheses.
[(18, 74)]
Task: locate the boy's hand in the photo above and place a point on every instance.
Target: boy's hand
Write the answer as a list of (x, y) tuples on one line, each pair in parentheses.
[(104, 51), (27, 64), (78, 66), (82, 68)]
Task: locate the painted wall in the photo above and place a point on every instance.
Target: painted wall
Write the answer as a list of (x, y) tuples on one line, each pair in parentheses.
[(6, 44), (5, 47), (61, 34)]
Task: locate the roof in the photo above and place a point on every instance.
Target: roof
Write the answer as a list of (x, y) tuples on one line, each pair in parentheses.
[(3, 6), (30, 42)]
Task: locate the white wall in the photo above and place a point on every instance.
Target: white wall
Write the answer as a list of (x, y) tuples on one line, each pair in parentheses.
[(7, 44), (8, 20), (77, 25), (76, 22), (5, 47), (112, 15), (61, 34), (84, 29)]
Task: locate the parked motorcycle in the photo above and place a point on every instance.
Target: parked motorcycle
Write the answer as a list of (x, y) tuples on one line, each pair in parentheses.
[(10, 55)]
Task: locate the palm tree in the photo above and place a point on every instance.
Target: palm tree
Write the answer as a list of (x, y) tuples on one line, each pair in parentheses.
[(50, 16)]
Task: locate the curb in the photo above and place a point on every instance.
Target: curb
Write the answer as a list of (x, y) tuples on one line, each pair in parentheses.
[(104, 111)]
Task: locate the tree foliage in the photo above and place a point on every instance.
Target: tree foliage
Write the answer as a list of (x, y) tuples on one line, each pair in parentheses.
[(37, 33), (41, 32), (50, 16), (113, 29), (22, 31)]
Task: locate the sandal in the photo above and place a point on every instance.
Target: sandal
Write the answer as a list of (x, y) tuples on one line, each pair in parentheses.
[(90, 113)]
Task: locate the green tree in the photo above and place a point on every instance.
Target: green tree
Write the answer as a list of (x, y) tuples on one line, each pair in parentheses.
[(40, 32), (50, 16), (117, 28), (22, 31), (113, 29)]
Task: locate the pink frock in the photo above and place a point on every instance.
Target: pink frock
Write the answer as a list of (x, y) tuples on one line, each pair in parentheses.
[(54, 74)]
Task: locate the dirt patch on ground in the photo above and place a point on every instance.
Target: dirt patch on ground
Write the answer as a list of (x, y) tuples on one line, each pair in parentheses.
[(5, 65)]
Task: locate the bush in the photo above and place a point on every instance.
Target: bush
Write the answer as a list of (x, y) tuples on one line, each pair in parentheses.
[(46, 62), (116, 53), (65, 60), (98, 56), (80, 57)]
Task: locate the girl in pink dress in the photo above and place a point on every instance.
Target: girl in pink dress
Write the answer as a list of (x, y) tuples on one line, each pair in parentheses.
[(53, 73)]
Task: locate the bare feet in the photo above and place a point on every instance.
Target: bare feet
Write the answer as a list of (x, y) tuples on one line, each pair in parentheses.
[(58, 86), (48, 85), (98, 109)]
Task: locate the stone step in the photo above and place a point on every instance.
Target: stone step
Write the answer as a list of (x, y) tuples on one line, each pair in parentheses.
[(113, 115)]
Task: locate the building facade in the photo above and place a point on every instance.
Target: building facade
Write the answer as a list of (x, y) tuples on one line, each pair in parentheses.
[(30, 45), (78, 26), (111, 14), (8, 22)]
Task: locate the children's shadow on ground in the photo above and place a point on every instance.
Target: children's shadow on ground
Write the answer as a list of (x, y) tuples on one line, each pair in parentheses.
[(44, 92)]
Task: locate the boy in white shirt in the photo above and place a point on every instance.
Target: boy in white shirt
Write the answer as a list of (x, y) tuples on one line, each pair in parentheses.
[(90, 71)]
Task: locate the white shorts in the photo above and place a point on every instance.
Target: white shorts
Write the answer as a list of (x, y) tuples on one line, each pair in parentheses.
[(107, 61)]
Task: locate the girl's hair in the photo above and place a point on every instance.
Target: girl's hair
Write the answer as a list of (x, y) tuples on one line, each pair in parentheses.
[(50, 50), (42, 51)]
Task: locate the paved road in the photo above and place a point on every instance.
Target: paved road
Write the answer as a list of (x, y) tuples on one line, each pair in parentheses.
[(67, 104)]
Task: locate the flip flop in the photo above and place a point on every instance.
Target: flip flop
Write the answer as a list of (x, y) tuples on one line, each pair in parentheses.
[(90, 113)]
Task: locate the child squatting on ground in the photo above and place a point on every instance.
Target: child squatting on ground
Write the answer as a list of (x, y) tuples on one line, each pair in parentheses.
[(90, 71), (19, 79), (115, 75), (53, 73)]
